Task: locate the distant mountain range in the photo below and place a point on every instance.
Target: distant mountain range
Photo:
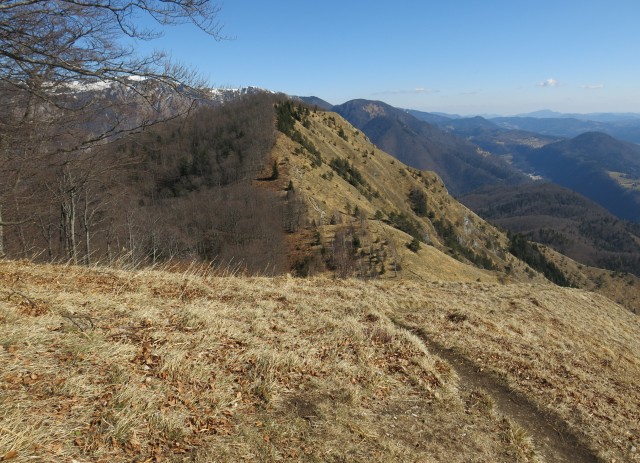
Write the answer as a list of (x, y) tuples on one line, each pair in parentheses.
[(625, 126), (628, 129), (594, 164), (472, 153), (541, 114), (462, 165), (598, 117)]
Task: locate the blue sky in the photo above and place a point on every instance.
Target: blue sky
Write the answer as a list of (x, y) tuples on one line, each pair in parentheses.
[(456, 56)]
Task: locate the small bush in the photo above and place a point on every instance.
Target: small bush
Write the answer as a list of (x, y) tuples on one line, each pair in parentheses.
[(414, 245)]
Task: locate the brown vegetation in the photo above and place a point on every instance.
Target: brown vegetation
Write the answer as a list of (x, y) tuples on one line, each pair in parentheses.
[(365, 210), (114, 365), (574, 354), (183, 191)]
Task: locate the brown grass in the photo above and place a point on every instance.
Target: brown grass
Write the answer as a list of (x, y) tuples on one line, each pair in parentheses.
[(328, 196), (623, 288), (575, 354), (156, 366)]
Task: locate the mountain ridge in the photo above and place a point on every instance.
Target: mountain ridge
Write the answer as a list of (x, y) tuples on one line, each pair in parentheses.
[(584, 164), (461, 165)]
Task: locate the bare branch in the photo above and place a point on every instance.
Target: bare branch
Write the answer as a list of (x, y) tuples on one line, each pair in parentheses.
[(54, 54)]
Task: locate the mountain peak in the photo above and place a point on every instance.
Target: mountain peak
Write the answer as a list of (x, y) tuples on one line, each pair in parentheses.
[(599, 137)]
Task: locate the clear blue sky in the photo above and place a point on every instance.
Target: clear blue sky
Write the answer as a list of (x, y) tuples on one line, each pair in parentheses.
[(456, 56)]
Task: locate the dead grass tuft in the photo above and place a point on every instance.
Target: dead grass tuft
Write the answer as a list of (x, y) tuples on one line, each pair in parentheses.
[(124, 368)]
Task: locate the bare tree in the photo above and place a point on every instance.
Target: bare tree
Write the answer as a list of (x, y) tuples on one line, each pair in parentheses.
[(54, 42), (52, 52), (48, 47)]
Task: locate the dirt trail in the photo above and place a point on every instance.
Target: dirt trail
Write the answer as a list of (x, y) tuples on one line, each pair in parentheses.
[(550, 435)]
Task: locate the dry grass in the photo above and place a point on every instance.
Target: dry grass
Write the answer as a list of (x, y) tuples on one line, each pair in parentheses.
[(328, 196), (623, 288), (575, 354), (113, 365)]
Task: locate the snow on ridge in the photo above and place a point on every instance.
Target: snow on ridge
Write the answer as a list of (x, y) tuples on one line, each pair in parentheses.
[(237, 91), (79, 86), (224, 95), (216, 96)]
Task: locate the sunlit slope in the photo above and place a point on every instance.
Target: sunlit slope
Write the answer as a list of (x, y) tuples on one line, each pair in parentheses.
[(623, 288), (574, 354), (105, 365), (457, 244), (113, 365), (350, 186)]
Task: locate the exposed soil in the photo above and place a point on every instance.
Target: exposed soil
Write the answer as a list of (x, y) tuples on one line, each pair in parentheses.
[(551, 437)]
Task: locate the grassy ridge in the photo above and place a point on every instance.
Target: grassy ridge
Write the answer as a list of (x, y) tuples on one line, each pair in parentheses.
[(114, 365)]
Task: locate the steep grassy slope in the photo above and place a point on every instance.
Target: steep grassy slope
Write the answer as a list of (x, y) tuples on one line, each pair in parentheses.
[(365, 209), (359, 220), (112, 365)]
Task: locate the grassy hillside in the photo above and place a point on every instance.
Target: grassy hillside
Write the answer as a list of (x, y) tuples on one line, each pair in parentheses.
[(620, 287), (112, 365), (369, 215), (357, 211), (566, 350), (446, 348), (564, 220)]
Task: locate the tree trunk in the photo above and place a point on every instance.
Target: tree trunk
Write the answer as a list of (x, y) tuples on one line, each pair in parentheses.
[(86, 219), (23, 241), (68, 225), (47, 234), (1, 234), (87, 243), (72, 226)]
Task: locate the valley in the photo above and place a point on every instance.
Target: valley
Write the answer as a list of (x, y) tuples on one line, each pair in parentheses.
[(625, 180), (538, 163)]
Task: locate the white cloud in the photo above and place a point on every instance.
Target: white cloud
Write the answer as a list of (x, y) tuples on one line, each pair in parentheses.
[(593, 86), (548, 83)]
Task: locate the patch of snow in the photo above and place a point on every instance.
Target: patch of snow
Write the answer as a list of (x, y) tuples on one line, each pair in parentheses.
[(84, 86)]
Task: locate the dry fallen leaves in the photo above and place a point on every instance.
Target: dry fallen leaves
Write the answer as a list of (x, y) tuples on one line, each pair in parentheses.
[(11, 454)]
